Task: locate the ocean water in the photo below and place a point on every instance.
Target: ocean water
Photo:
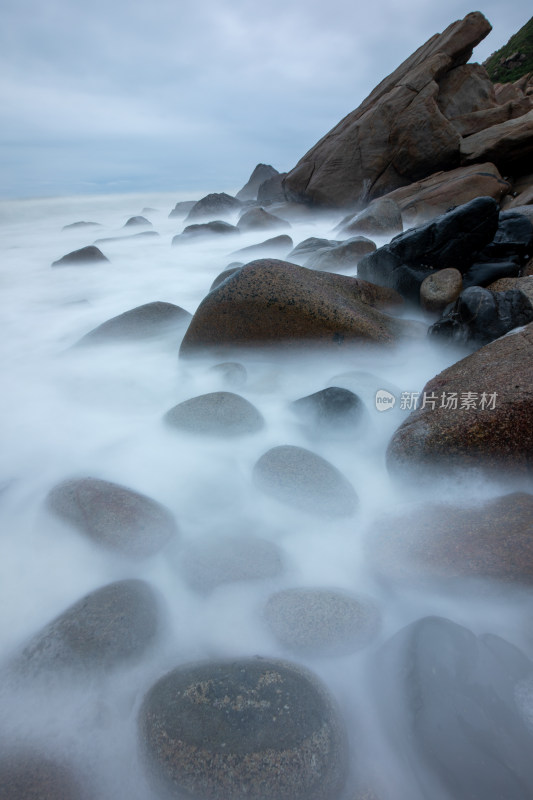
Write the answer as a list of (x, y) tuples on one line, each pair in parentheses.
[(72, 412)]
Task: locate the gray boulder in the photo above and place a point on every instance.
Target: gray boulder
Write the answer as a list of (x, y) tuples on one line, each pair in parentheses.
[(216, 414), (261, 173), (144, 322)]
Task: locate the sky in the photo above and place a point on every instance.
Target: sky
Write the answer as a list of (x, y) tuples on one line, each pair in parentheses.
[(115, 96)]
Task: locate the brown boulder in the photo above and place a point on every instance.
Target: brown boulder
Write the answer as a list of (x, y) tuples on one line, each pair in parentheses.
[(464, 90), (525, 284), (522, 195), (382, 217), (440, 289), (509, 144), (491, 427), (479, 120), (270, 302)]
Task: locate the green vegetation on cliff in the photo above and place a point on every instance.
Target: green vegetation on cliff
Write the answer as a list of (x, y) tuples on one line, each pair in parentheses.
[(514, 59)]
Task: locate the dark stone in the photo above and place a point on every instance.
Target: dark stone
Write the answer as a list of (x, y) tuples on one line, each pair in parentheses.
[(259, 219), (235, 729), (306, 481), (87, 255), (485, 273), (27, 776), (231, 372), (277, 245), (302, 251), (479, 316), (448, 701), (136, 221), (216, 414), (322, 622), (144, 322), (261, 173), (272, 190), (214, 228), (227, 273), (181, 209), (80, 225), (108, 627), (113, 515), (214, 206), (331, 409)]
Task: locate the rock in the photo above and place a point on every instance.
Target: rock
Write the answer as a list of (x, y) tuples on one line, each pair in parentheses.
[(440, 288), (381, 218), (87, 255), (397, 135), (509, 144), (141, 235), (80, 225), (261, 173), (451, 240), (277, 245), (271, 190), (209, 563), (464, 90), (231, 372), (136, 221), (444, 541), (522, 195), (492, 432), (214, 228), (477, 121), (259, 219), (486, 272), (331, 409), (214, 206), (268, 302), (227, 273), (110, 626), (341, 256), (447, 699), (231, 728), (302, 251), (479, 315), (306, 481), (216, 414), (112, 515), (525, 285), (323, 622), (181, 209), (428, 198), (144, 322), (27, 776)]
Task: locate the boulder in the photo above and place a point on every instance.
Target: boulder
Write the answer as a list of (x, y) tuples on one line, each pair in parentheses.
[(302, 251), (258, 219), (448, 701), (509, 144), (110, 626), (525, 285), (522, 195), (483, 273), (261, 173), (231, 372), (181, 209), (204, 229), (144, 322), (214, 206), (341, 256), (81, 224), (272, 190), (271, 302), (465, 90), (112, 515), (227, 273), (317, 621), (28, 776), (276, 246), (306, 481), (397, 135), (440, 289), (86, 255), (228, 729), (216, 414), (479, 316), (491, 427), (477, 121), (331, 409), (382, 217), (444, 541), (136, 221)]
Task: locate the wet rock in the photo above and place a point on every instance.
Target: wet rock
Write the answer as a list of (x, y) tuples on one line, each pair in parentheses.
[(86, 255), (331, 409), (341, 256), (231, 728), (381, 218), (479, 316), (181, 209), (137, 221), (445, 541), (212, 562), (448, 702), (277, 245), (261, 173), (305, 480), (440, 289), (509, 144), (525, 285), (486, 272), (27, 776), (259, 219), (491, 427), (144, 322), (317, 621), (112, 515), (80, 224), (231, 372), (108, 627), (227, 273), (268, 302), (302, 251), (215, 228), (214, 206), (216, 414)]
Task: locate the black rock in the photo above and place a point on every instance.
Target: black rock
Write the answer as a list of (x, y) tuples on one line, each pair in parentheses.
[(182, 208), (214, 206), (113, 515), (271, 190), (216, 414), (261, 173), (214, 228), (86, 255), (144, 322), (479, 316), (331, 408), (449, 705), (136, 221), (514, 237), (484, 273), (250, 728)]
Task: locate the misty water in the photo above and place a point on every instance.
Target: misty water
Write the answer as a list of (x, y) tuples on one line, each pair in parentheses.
[(98, 411)]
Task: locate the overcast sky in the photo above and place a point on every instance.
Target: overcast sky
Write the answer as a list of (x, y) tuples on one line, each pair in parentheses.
[(188, 95)]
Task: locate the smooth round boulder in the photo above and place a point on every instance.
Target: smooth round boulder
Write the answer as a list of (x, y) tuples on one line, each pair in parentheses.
[(341, 256), (317, 621), (113, 515), (142, 323), (202, 229), (108, 627), (216, 414), (86, 255), (440, 289), (306, 481), (27, 776), (227, 273), (333, 408), (217, 205), (134, 222), (249, 728), (258, 219)]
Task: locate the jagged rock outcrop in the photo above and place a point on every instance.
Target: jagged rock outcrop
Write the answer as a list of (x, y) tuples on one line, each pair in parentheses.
[(262, 173)]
